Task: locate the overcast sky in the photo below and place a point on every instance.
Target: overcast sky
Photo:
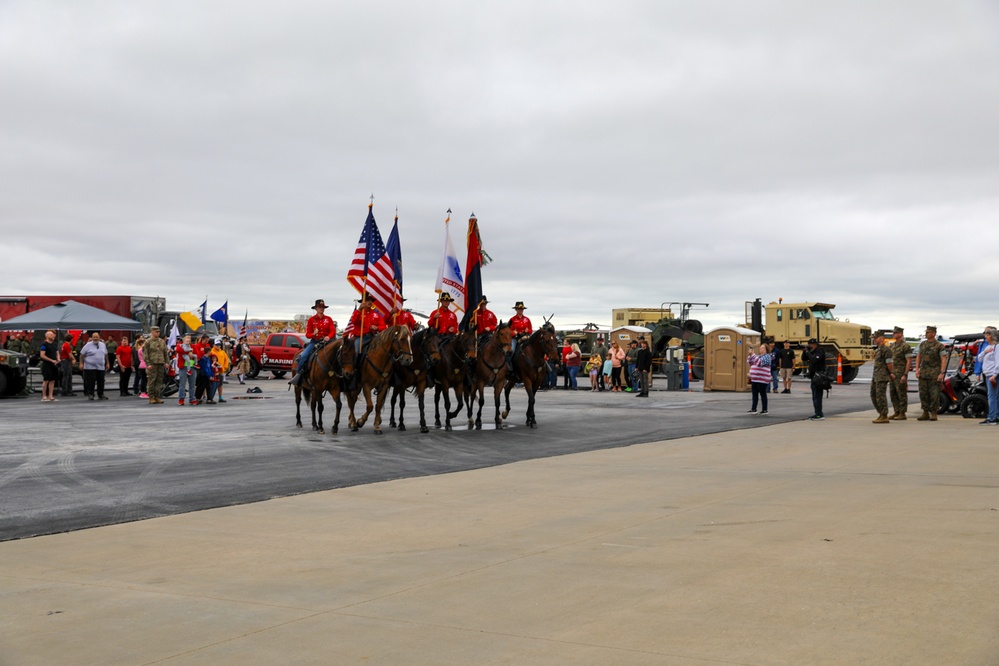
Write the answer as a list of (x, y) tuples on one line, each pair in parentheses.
[(616, 154)]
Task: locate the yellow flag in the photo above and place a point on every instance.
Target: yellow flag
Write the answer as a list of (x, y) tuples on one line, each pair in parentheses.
[(191, 320)]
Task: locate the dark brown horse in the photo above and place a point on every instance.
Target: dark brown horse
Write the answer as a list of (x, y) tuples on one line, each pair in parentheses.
[(330, 371), (488, 368), (530, 367), (392, 345), (416, 375), (449, 374)]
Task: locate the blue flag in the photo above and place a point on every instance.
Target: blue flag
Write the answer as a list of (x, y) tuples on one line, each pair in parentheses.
[(221, 315), (393, 250)]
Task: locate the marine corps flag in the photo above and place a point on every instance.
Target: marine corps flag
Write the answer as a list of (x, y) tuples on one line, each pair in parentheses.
[(473, 273)]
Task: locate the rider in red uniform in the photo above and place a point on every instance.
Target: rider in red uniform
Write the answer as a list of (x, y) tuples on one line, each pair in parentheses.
[(485, 320), (443, 319), (400, 316), (319, 329), (522, 327), (366, 321)]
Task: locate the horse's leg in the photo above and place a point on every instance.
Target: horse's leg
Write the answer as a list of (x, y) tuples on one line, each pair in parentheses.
[(379, 401), (532, 390), (506, 395), (421, 391), (316, 397), (402, 407), (368, 407), (447, 407), (437, 404), (479, 390), (351, 403), (335, 394), (497, 390), (298, 406)]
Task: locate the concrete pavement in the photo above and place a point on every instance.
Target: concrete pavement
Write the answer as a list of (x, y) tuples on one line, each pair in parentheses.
[(838, 542)]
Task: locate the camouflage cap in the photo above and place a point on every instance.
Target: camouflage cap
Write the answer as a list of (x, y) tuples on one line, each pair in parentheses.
[(898, 329), (154, 328), (931, 328)]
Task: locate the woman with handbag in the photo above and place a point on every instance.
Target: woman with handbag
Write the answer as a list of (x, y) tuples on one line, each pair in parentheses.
[(759, 378)]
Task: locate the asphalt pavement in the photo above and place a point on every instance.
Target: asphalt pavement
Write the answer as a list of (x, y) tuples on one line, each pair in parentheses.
[(76, 464)]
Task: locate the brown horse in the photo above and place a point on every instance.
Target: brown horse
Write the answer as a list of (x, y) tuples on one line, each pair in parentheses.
[(330, 371), (489, 369), (530, 367), (416, 375), (449, 374), (392, 345)]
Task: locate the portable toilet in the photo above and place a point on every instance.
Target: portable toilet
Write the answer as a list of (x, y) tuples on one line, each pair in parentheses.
[(726, 358)]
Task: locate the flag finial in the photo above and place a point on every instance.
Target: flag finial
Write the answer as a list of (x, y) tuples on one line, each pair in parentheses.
[(372, 200)]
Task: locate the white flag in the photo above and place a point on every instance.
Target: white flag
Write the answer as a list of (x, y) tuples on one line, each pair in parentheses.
[(449, 278), (174, 334)]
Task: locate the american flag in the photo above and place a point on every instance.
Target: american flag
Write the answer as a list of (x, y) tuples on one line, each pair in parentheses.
[(371, 269)]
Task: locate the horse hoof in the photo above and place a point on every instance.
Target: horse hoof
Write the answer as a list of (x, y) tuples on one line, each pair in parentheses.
[(447, 427), (321, 431), (354, 428), (298, 425), (424, 429), (333, 431), (392, 423), (402, 427), (378, 432), (478, 426)]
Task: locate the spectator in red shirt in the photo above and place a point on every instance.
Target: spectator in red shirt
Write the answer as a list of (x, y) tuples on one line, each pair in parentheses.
[(124, 354), (66, 366)]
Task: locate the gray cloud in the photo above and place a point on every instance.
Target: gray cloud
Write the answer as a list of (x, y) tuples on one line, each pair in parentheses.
[(616, 155)]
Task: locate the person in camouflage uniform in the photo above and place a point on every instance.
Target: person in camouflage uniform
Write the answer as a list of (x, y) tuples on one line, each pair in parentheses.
[(155, 354), (879, 382), (898, 368), (930, 373)]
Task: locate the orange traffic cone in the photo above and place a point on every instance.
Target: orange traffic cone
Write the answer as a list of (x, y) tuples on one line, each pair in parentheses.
[(839, 368)]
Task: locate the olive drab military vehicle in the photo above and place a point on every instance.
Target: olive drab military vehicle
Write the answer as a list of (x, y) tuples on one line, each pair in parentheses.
[(13, 372), (798, 322)]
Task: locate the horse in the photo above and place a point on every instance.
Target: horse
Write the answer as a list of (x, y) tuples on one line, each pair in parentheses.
[(392, 345), (330, 372), (426, 354), (450, 374), (529, 366), (488, 368)]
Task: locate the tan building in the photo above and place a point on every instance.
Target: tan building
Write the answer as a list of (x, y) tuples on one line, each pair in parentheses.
[(638, 316)]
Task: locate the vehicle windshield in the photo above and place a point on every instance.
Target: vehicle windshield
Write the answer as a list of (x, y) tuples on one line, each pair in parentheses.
[(822, 313)]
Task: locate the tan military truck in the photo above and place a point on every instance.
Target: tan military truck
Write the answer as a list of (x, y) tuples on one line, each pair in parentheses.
[(798, 322)]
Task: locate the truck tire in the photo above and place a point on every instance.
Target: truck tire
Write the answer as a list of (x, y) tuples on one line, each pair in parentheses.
[(975, 406), (254, 369), (697, 366), (278, 374), (3, 382), (694, 326), (850, 373)]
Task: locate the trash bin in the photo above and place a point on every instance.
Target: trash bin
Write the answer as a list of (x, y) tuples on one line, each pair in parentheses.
[(674, 375)]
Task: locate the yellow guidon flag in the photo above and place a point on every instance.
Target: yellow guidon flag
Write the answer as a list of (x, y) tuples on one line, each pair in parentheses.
[(195, 318)]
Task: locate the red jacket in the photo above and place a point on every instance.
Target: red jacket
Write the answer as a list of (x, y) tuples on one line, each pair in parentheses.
[(443, 320), (485, 321), (320, 326), (521, 325), (402, 318), (373, 322)]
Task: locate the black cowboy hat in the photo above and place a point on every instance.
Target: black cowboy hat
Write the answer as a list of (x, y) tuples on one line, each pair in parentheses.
[(483, 301), (445, 297), (319, 302), (519, 305)]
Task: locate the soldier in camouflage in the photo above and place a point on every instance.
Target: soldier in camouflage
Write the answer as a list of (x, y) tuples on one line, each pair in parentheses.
[(155, 354), (898, 368), (879, 382), (930, 373)]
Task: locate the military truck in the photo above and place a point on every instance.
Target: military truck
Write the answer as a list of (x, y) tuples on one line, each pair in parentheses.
[(13, 372), (682, 332), (798, 322)]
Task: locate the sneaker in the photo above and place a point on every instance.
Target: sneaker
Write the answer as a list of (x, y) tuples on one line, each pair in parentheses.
[(180, 402), (195, 402), (628, 390), (220, 400), (764, 412), (816, 418), (988, 422), (211, 402), (751, 411), (144, 395)]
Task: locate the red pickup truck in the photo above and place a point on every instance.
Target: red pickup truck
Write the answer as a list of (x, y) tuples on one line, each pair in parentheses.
[(276, 354)]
